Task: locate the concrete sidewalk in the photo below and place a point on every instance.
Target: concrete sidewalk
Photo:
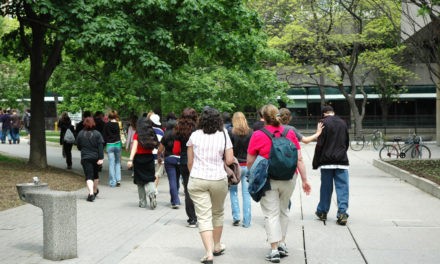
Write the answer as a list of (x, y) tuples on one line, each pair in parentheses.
[(390, 222)]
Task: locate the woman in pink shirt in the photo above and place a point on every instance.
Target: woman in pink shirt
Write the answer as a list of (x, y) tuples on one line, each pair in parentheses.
[(275, 201)]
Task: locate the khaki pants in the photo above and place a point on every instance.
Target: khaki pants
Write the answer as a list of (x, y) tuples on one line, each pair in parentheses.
[(209, 200), (274, 205)]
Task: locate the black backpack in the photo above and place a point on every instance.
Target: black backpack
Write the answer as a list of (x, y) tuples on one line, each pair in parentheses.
[(283, 156)]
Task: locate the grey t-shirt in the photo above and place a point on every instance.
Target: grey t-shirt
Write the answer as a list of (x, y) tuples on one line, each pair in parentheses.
[(298, 135)]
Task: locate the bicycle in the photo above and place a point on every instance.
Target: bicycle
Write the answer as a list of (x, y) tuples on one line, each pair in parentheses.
[(399, 150), (359, 142)]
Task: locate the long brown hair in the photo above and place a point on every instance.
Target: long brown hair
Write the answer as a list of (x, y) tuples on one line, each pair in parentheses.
[(186, 124)]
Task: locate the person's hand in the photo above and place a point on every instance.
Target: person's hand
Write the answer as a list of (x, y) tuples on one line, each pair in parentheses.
[(129, 164), (319, 128), (306, 187), (100, 162)]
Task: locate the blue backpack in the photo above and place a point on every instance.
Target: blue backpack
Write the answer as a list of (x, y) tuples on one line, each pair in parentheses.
[(283, 156)]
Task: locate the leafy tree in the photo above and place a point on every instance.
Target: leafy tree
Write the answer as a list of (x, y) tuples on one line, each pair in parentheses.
[(147, 38), (325, 40)]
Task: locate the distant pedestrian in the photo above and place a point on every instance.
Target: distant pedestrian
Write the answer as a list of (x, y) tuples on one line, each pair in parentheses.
[(258, 124), (5, 119), (113, 147), (15, 127), (157, 126), (286, 117), (331, 158), (142, 161), (27, 122), (186, 124), (169, 157), (91, 144), (240, 136), (275, 202), (208, 182), (64, 124)]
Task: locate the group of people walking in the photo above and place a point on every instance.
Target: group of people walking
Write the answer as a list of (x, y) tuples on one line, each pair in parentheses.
[(193, 150), (11, 123)]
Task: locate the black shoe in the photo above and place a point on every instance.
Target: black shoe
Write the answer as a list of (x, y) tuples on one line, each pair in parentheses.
[(342, 219), (96, 193), (90, 198), (69, 167), (236, 223), (321, 216), (118, 184), (192, 224)]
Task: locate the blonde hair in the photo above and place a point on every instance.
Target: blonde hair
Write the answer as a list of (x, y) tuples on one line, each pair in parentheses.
[(240, 126), (271, 115), (285, 116)]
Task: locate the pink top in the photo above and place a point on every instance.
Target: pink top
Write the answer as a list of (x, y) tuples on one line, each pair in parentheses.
[(260, 143)]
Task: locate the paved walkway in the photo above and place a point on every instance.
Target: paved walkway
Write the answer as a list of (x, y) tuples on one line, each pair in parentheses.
[(390, 222)]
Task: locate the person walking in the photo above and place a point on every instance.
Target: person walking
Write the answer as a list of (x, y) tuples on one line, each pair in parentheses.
[(275, 201), (286, 117), (208, 183), (91, 145), (142, 161), (15, 127), (240, 135), (64, 124), (5, 119), (171, 161), (186, 124), (27, 122), (157, 126), (331, 158), (112, 140)]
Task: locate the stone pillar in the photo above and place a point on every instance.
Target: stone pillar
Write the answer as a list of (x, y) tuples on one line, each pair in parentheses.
[(59, 219)]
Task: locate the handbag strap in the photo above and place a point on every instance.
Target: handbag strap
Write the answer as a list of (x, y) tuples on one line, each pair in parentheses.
[(224, 149)]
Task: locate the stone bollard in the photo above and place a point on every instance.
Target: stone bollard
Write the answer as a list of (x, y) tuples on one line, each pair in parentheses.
[(59, 218)]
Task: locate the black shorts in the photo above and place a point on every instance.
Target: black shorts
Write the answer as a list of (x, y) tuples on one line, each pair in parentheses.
[(91, 169)]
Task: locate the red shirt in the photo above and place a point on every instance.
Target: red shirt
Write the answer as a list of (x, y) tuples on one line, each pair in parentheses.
[(140, 149), (260, 143)]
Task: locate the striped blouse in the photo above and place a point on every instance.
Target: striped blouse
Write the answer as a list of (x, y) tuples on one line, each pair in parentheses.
[(208, 154)]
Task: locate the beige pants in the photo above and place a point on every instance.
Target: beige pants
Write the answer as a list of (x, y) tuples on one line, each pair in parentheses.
[(209, 200), (274, 205)]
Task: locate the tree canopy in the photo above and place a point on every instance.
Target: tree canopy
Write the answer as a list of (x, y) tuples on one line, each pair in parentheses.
[(132, 51)]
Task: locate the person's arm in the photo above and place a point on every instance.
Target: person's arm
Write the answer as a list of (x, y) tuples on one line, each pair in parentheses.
[(229, 156), (250, 159), (315, 136), (190, 153), (302, 171), (132, 153), (160, 151)]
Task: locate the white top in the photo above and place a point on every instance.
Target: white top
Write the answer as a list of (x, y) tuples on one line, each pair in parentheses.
[(208, 154)]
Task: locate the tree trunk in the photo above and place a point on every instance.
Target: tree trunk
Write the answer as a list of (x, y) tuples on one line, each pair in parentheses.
[(37, 84)]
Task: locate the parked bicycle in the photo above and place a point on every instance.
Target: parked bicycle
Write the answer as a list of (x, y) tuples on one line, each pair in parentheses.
[(359, 142), (399, 149)]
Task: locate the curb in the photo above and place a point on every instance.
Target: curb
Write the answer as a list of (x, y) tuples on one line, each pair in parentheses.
[(419, 182)]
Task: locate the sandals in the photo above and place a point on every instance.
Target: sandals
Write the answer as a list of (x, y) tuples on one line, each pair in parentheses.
[(219, 252)]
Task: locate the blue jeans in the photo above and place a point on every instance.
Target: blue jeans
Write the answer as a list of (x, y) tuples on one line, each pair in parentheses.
[(15, 135), (340, 177), (235, 206), (6, 132), (172, 167), (114, 163)]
